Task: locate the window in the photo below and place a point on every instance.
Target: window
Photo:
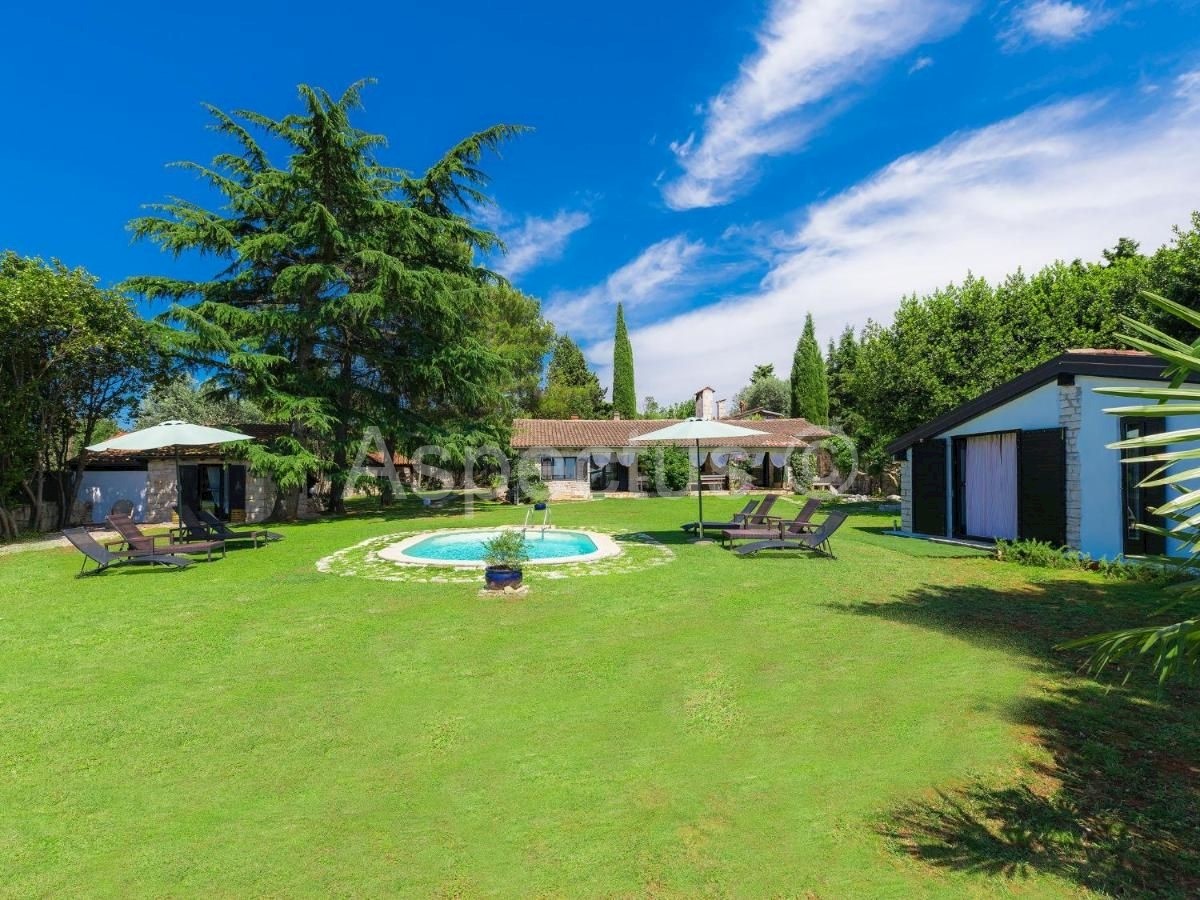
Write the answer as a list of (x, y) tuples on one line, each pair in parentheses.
[(559, 468)]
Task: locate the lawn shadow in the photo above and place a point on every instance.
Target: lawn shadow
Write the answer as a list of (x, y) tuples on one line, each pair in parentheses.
[(1114, 808)]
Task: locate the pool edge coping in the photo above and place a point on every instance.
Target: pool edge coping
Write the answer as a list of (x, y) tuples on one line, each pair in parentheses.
[(606, 548)]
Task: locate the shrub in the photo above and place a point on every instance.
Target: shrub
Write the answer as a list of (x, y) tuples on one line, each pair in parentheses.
[(1045, 555), (507, 550), (666, 466)]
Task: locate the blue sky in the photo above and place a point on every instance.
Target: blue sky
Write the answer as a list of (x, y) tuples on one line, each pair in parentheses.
[(722, 168)]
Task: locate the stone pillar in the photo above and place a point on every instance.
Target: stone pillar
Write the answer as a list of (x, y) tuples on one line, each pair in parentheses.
[(1070, 415), (906, 493), (161, 489)]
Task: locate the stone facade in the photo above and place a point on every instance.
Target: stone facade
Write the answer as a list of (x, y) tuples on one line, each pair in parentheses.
[(1070, 415), (260, 497), (161, 490), (906, 495), (569, 490)]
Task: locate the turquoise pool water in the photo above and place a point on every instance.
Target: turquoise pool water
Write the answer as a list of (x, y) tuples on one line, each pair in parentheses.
[(467, 546)]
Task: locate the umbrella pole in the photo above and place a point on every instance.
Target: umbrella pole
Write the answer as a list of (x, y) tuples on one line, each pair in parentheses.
[(699, 489), (178, 489)]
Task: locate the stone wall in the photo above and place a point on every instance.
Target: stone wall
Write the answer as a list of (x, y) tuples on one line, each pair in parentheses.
[(1070, 415), (161, 490), (569, 490), (906, 495), (260, 497)]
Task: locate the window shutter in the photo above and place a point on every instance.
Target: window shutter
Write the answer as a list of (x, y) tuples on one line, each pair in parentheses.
[(929, 487), (1042, 486)]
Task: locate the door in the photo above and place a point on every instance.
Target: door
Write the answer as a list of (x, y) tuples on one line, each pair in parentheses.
[(189, 486), (1138, 501), (929, 487), (1042, 467), (988, 485), (237, 489)]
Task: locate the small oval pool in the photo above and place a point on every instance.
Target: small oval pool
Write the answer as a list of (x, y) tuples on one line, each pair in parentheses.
[(466, 547)]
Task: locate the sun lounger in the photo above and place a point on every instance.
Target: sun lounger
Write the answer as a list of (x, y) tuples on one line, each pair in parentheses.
[(814, 542), (204, 526), (739, 518), (138, 542), (105, 558), (225, 533), (769, 528)]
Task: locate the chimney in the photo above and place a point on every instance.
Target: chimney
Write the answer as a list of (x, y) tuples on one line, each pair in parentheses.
[(720, 409), (705, 408), (616, 417)]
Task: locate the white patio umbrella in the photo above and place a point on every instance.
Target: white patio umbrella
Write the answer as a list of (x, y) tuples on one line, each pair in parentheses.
[(167, 436), (699, 430)]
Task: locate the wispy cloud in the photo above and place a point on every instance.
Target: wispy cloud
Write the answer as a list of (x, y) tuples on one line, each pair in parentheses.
[(1058, 182), (1052, 22), (809, 52), (921, 62), (536, 241), (663, 272)]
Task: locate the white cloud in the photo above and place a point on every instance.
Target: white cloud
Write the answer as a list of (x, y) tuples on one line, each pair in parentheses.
[(809, 51), (663, 271), (1187, 87), (921, 62), (1057, 182), (1052, 22), (538, 241)]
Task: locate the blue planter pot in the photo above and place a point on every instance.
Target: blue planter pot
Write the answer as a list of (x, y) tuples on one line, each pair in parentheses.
[(498, 579)]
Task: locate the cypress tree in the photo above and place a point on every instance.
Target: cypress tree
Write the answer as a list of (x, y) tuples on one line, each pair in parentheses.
[(624, 396), (810, 385)]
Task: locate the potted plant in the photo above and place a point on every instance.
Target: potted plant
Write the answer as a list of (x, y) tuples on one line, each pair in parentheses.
[(503, 555)]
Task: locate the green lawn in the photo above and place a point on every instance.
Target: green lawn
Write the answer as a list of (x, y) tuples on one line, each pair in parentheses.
[(893, 723)]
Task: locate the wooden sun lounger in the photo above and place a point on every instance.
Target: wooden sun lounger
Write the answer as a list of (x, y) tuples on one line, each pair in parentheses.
[(138, 542), (770, 528), (814, 542), (104, 558)]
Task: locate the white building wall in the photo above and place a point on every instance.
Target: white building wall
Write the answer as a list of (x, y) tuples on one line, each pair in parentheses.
[(1103, 516), (101, 488), (1038, 408)]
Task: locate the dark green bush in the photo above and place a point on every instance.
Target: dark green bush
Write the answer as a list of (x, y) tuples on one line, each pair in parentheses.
[(1046, 555)]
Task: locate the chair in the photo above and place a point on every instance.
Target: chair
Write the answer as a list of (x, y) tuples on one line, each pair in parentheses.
[(105, 558), (138, 542), (814, 542), (224, 532), (759, 530), (737, 521)]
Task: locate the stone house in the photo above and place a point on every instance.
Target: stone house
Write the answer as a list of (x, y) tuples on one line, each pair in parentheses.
[(144, 483), (1029, 459), (582, 458)]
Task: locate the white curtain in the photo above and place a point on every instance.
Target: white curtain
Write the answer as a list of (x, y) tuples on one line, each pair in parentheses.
[(757, 458), (720, 458), (600, 460), (626, 457), (778, 459), (990, 482), (697, 458)]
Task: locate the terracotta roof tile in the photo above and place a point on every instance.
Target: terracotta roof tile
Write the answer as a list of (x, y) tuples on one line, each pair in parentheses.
[(574, 434)]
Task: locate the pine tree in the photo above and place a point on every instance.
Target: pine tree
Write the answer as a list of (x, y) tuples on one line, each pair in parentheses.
[(572, 389), (810, 388), (624, 396), (348, 294)]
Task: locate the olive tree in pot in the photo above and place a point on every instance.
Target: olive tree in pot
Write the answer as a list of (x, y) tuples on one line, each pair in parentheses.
[(504, 554)]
